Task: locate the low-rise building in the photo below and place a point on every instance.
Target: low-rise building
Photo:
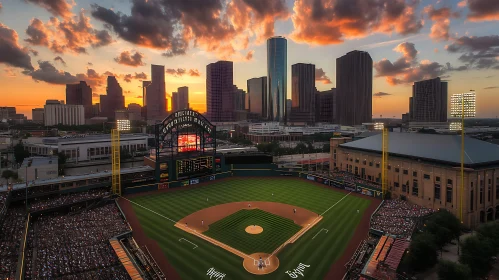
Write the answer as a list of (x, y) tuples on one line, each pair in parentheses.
[(39, 168), (425, 169)]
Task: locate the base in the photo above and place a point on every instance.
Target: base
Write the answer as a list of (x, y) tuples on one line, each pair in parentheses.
[(270, 264)]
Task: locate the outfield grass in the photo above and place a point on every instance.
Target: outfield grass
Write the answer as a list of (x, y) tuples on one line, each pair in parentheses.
[(340, 221), (231, 230)]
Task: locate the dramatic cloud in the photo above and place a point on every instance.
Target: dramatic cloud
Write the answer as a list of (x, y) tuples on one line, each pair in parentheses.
[(324, 22), (477, 52), (1, 6), (60, 59), (56, 7), (441, 21), (212, 25), (483, 10), (179, 72), (11, 53), (134, 60), (320, 76), (49, 74), (460, 68), (139, 96), (490, 88), (249, 55), (70, 35), (137, 76), (381, 94), (407, 69), (33, 52)]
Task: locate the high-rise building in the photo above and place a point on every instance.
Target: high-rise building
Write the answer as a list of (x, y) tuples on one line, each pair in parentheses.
[(303, 93), (183, 98), (38, 115), (257, 93), (57, 113), (7, 112), (80, 94), (429, 101), (174, 101), (325, 106), (113, 100), (155, 94), (219, 91), (354, 84), (277, 67), (456, 105), (145, 85)]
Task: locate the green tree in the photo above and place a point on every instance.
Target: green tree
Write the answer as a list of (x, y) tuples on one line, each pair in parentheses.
[(20, 153), (448, 270), (422, 252), (490, 231), (445, 226), (477, 253), (7, 174)]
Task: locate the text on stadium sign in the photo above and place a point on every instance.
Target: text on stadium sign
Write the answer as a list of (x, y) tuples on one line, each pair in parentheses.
[(187, 116)]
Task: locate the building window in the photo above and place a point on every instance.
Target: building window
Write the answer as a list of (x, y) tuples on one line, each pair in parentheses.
[(369, 177), (356, 170), (396, 184), (449, 181), (406, 172), (437, 191), (389, 167), (490, 181), (403, 188), (489, 192), (448, 196), (364, 162), (377, 165), (414, 173), (471, 200), (497, 189), (397, 170), (437, 179), (481, 194), (357, 161), (415, 189), (370, 163), (426, 176)]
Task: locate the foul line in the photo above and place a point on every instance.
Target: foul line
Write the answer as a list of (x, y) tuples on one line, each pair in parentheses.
[(320, 232), (312, 223), (149, 210), (189, 242)]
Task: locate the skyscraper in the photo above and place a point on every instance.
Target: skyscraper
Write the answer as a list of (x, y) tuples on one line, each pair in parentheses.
[(114, 100), (325, 106), (257, 93), (429, 101), (277, 55), (174, 101), (354, 84), (145, 85), (303, 93), (456, 105), (219, 91), (155, 97), (80, 94), (183, 98)]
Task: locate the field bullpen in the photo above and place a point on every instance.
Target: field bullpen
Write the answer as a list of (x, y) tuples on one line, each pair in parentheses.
[(325, 246)]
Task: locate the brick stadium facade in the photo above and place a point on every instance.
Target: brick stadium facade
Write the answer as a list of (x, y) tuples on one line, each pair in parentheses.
[(428, 182)]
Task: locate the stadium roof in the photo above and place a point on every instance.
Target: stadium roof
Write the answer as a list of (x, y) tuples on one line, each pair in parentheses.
[(432, 147)]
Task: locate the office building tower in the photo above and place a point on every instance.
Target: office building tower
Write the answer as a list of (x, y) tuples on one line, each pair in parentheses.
[(277, 55), (303, 93), (113, 100), (156, 94), (325, 106), (456, 105), (7, 113), (257, 93), (429, 101), (80, 94), (354, 84), (38, 115), (219, 91), (183, 98), (57, 113), (175, 102), (145, 85)]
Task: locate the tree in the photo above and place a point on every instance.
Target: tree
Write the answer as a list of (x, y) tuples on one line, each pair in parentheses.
[(448, 270), (477, 253), (7, 174), (445, 226), (490, 231), (20, 153), (422, 252)]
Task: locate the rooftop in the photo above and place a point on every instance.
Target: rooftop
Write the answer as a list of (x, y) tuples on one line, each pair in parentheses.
[(433, 147), (39, 161)]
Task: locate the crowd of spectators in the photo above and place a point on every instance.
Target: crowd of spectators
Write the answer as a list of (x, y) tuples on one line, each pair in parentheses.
[(38, 204), (75, 245), (348, 177), (11, 233), (398, 217), (19, 193), (3, 201)]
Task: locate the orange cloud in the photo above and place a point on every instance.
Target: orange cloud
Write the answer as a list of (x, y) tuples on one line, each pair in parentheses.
[(441, 21), (483, 10)]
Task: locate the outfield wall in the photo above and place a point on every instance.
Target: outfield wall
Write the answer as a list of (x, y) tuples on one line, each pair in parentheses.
[(340, 184)]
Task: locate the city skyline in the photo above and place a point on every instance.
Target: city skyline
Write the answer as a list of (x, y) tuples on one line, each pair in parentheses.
[(449, 44)]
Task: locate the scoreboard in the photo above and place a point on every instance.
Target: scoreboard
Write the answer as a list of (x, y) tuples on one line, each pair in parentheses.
[(194, 166)]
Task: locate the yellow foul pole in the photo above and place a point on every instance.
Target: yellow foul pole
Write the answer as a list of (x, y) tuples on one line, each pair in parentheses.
[(462, 159)]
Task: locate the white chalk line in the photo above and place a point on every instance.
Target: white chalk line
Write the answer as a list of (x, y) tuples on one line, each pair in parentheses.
[(202, 236), (189, 242), (312, 223), (320, 232)]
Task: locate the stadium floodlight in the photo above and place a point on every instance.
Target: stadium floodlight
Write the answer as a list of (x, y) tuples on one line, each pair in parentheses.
[(123, 125), (460, 100)]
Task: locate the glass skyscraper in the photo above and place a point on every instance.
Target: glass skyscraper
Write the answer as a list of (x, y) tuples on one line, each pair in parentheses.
[(277, 61)]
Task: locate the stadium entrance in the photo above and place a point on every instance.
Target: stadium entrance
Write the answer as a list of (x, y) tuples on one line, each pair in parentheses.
[(185, 148)]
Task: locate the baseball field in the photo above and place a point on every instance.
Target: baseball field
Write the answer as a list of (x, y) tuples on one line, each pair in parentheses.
[(296, 227)]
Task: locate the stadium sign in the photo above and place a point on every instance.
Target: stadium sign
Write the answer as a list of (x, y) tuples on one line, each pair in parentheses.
[(217, 275), (194, 181), (297, 271), (311, 178), (185, 118), (350, 189)]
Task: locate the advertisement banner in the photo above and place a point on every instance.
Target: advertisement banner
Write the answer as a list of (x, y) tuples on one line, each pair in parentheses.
[(367, 192), (350, 189), (162, 186), (185, 183), (194, 181), (311, 178), (326, 182), (212, 177)]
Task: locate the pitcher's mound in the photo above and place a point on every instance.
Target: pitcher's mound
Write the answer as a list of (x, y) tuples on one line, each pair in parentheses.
[(254, 229), (269, 265)]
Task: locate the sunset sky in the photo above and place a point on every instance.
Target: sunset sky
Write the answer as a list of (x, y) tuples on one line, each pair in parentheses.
[(45, 44)]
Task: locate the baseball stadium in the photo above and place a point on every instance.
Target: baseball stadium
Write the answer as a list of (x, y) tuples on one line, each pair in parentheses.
[(193, 213)]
